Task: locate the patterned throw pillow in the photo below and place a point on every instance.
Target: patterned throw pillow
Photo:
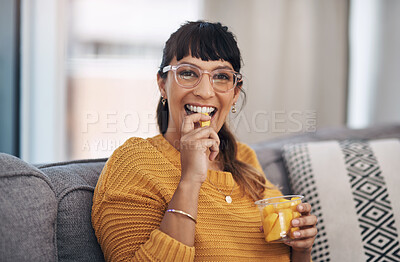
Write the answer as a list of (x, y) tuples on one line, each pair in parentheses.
[(354, 188)]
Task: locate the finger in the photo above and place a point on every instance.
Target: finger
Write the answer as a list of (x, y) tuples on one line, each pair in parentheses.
[(213, 155), (303, 244), (205, 132), (305, 233), (214, 150), (214, 134), (304, 208), (208, 132), (189, 121), (309, 220), (212, 145)]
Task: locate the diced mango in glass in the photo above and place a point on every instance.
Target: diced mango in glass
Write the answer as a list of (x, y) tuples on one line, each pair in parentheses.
[(277, 218)]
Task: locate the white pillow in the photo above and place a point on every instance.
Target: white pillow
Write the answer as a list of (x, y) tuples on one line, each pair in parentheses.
[(353, 186)]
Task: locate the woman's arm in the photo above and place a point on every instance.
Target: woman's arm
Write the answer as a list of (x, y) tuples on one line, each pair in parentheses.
[(128, 207), (127, 224), (180, 226), (197, 147)]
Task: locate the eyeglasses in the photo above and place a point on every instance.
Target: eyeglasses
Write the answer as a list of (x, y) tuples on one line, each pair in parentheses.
[(188, 76)]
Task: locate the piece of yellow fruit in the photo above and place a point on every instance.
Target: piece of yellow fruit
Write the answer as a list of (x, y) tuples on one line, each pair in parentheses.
[(295, 203), (283, 204), (296, 214), (269, 209), (285, 219), (269, 222), (275, 232), (205, 123)]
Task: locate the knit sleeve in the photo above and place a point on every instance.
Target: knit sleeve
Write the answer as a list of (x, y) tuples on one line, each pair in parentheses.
[(127, 212)]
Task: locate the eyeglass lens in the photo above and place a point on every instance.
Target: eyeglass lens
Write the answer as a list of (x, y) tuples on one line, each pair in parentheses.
[(190, 76)]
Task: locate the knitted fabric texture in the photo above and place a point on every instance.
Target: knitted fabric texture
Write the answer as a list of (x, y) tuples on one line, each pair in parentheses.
[(132, 195)]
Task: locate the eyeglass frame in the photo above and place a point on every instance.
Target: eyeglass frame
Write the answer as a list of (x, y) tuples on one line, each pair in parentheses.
[(238, 76)]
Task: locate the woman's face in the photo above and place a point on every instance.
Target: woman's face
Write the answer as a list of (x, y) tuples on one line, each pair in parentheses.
[(203, 95)]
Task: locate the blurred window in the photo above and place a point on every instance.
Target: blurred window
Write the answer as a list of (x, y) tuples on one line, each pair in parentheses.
[(114, 49)]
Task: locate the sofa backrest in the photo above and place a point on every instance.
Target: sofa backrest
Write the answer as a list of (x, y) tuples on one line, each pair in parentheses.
[(45, 210)]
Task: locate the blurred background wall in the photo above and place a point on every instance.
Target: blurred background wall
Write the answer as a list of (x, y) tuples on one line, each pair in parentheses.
[(86, 69), (295, 62)]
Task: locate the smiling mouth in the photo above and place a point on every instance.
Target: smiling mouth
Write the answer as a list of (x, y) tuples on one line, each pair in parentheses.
[(190, 109)]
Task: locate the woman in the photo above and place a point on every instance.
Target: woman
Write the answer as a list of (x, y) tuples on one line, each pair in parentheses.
[(188, 193)]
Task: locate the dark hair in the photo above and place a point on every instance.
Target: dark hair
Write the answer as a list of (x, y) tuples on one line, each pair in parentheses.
[(203, 40), (210, 42)]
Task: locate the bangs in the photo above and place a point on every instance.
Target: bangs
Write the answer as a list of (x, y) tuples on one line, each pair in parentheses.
[(208, 43)]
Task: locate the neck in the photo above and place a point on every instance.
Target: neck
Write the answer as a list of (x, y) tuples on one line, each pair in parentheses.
[(173, 138)]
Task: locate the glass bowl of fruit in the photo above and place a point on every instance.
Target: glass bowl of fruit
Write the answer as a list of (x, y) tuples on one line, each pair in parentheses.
[(277, 214)]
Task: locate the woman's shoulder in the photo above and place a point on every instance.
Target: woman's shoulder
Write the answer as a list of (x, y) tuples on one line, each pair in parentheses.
[(135, 147), (133, 152), (132, 161), (244, 151)]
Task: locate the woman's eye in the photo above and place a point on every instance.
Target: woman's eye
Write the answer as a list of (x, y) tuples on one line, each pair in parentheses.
[(222, 77), (187, 74)]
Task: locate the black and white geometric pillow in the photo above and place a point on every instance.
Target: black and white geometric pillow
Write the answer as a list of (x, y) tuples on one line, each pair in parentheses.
[(354, 189)]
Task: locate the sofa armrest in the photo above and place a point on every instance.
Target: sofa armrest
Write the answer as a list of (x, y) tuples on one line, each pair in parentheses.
[(28, 211)]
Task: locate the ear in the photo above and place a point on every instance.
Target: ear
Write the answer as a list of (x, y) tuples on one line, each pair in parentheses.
[(161, 86), (236, 94)]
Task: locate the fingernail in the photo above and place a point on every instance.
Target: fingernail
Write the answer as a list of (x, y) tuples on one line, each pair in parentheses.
[(295, 222), (301, 208), (296, 233)]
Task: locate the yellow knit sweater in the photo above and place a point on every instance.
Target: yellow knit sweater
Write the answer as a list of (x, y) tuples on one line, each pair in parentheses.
[(133, 192)]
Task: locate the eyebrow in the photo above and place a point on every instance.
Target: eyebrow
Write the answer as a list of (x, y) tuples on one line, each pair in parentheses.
[(216, 68)]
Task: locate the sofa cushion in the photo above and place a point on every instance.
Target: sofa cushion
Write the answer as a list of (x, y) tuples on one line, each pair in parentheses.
[(74, 183), (353, 188), (28, 211), (269, 152)]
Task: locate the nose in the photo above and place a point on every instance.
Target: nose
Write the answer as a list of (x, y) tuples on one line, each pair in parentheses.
[(204, 89)]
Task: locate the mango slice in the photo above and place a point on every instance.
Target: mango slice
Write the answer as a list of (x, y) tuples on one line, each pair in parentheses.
[(269, 209), (295, 203), (285, 218), (205, 123), (269, 222), (275, 232), (296, 214), (283, 204)]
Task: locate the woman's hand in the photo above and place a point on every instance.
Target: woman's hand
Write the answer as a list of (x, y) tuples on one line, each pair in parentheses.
[(303, 239), (194, 145)]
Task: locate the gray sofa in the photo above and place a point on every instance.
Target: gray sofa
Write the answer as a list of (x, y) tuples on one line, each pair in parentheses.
[(45, 210)]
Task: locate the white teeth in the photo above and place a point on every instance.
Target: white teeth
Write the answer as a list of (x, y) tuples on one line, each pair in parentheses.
[(199, 109)]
